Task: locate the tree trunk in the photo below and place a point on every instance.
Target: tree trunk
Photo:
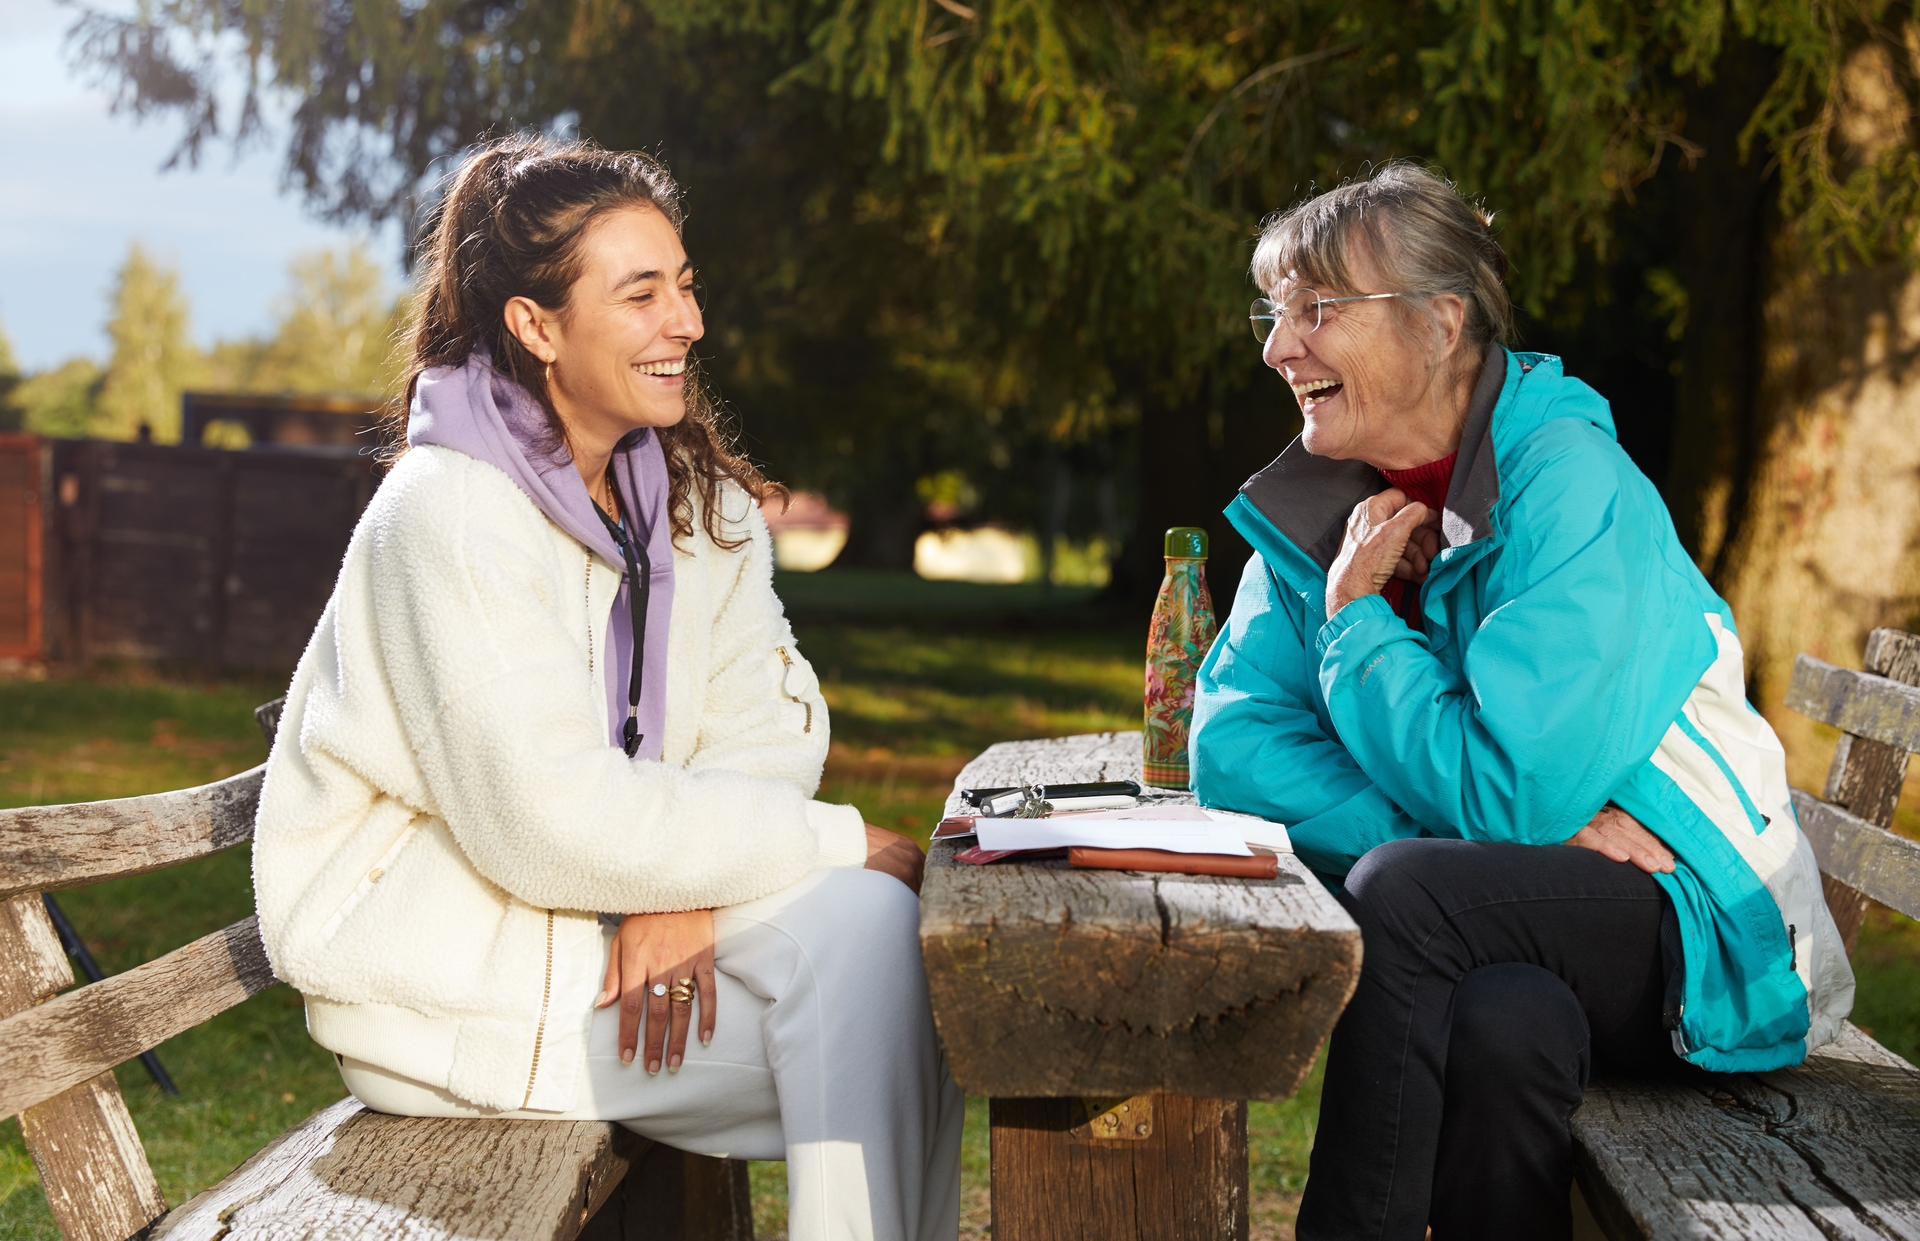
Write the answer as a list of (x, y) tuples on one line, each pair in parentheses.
[(1828, 542), (1723, 202)]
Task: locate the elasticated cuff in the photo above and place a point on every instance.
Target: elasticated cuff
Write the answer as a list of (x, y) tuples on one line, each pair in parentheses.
[(842, 832), (1346, 618)]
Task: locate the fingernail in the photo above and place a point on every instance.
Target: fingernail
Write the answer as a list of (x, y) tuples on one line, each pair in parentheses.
[(706, 1040), (673, 1066), (626, 1057), (653, 1066)]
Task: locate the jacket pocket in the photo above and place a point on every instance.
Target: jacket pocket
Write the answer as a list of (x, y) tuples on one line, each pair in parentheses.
[(374, 875)]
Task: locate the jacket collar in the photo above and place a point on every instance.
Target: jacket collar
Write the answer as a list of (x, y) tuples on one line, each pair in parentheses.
[(1309, 498)]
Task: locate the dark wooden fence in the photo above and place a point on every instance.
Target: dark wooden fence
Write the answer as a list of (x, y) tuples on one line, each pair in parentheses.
[(20, 546), (224, 559)]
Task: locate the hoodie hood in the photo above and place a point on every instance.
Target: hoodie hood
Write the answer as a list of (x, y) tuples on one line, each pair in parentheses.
[(475, 410)]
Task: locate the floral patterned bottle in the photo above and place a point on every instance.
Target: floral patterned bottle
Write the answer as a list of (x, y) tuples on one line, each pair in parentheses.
[(1178, 638)]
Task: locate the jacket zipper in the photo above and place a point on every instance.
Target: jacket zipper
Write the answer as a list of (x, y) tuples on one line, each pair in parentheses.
[(540, 1031), (787, 661)]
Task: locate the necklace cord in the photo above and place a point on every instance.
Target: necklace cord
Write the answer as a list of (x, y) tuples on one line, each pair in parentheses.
[(639, 595)]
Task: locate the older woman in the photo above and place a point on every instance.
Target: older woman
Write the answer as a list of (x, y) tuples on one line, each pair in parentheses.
[(1469, 632)]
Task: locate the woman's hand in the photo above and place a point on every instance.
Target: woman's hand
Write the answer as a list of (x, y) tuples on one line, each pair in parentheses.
[(1620, 836), (890, 853), (1378, 533), (1422, 546), (653, 954)]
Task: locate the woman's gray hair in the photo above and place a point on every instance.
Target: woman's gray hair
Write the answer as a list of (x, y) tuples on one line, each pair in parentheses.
[(1420, 231)]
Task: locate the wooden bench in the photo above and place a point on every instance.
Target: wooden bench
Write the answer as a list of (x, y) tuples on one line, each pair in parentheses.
[(1119, 1020), (345, 1172), (1830, 1149)]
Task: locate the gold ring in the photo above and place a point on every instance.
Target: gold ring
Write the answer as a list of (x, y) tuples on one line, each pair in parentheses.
[(682, 992)]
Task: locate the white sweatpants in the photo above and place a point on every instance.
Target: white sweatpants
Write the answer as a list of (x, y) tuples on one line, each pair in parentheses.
[(824, 1054)]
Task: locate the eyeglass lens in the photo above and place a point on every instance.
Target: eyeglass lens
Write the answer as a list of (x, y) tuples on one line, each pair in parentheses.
[(1301, 310)]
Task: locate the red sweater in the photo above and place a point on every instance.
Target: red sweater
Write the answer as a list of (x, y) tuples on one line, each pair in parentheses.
[(1428, 484)]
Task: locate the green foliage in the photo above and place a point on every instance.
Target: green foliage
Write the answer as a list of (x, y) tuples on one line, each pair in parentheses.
[(1010, 237), (154, 358), (336, 331), (60, 401), (11, 415)]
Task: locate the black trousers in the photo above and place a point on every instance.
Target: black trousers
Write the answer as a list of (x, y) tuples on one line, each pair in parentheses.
[(1493, 976)]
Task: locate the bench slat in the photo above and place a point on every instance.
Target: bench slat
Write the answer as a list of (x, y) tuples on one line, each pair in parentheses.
[(91, 1163), (48, 847), (1805, 1154), (1866, 858), (1856, 702), (348, 1172), (49, 1048)]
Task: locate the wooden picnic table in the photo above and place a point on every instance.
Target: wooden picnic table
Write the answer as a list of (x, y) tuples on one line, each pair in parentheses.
[(1119, 1020)]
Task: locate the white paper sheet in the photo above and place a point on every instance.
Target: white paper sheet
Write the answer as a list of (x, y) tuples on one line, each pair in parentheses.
[(1251, 828), (1177, 834)]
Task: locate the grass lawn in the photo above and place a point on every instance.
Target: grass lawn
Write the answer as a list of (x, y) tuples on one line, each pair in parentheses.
[(941, 673)]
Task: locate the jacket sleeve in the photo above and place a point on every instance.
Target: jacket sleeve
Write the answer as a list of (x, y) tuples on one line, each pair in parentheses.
[(492, 697), (764, 712), (1557, 705), (1258, 746)]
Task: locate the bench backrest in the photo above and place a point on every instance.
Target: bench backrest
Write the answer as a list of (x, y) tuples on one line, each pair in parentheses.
[(57, 1054), (1878, 714)]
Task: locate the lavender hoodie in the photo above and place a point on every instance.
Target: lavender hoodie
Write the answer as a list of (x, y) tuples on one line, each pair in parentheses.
[(475, 410)]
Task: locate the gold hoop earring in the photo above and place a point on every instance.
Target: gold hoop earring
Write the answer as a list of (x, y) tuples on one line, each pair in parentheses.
[(549, 375)]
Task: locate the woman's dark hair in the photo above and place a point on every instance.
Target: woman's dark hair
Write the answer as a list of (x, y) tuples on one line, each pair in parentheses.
[(509, 223)]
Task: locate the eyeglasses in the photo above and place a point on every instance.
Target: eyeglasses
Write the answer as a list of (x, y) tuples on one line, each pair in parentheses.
[(1302, 309)]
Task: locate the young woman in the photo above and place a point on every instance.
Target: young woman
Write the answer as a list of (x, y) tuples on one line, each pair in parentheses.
[(540, 801), (1469, 633)]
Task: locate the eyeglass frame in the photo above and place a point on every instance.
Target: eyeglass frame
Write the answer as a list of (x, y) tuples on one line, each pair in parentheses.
[(1279, 311)]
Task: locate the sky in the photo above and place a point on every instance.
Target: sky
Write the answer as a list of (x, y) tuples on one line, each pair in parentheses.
[(79, 185)]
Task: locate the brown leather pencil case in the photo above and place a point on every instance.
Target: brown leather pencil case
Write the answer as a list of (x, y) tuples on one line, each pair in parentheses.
[(1259, 866)]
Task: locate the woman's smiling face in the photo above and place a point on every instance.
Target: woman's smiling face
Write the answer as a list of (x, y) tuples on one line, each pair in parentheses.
[(1363, 379), (621, 346)]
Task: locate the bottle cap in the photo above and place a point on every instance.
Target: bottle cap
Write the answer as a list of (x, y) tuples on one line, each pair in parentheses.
[(1187, 542)]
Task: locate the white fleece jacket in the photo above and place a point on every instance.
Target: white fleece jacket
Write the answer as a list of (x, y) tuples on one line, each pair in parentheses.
[(443, 813)]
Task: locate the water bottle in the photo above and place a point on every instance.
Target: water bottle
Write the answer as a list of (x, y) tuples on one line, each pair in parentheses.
[(1178, 637)]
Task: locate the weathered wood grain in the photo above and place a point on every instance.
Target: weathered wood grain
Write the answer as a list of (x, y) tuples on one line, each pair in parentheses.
[(1860, 703), (1894, 654), (33, 966), (55, 1046), (1830, 1149), (1052, 1183), (1052, 982), (348, 1172), (1866, 858), (1866, 776), (91, 1164), (51, 847)]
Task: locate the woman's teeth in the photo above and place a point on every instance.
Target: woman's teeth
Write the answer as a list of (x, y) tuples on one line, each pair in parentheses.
[(676, 367), (1304, 392)]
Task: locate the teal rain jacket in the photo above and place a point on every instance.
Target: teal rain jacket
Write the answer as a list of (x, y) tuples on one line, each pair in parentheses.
[(1573, 655)]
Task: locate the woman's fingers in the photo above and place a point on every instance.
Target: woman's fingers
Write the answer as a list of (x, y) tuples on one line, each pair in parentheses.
[(610, 988), (681, 990), (1616, 834), (890, 853), (703, 975), (633, 998), (659, 1014)]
